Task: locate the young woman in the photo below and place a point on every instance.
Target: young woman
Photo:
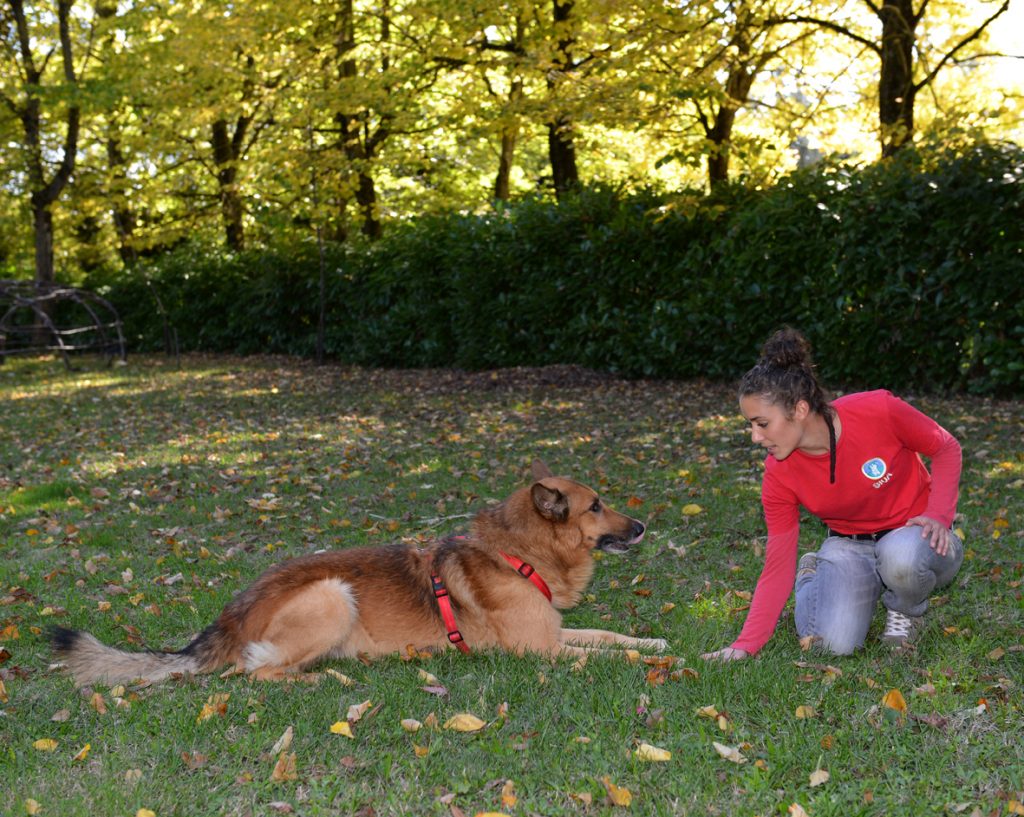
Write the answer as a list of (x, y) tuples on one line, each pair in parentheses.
[(854, 463)]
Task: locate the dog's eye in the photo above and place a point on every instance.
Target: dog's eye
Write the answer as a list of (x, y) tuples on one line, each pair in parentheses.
[(596, 507)]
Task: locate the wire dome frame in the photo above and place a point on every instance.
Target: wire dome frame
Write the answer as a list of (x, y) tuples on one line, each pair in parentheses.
[(37, 318)]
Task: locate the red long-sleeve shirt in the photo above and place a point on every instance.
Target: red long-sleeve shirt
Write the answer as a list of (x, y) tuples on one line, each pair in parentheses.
[(881, 482)]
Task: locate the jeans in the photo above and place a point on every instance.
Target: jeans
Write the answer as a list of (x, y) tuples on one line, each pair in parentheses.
[(836, 600)]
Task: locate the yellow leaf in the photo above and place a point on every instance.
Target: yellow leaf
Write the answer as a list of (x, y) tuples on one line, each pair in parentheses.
[(31, 806), (708, 712), (804, 711), (343, 679), (411, 725), (96, 702), (45, 744), (667, 607), (692, 509), (216, 704), (647, 752), (616, 794), (464, 722), (490, 814), (632, 656), (3, 692), (730, 753), (145, 812), (1014, 807), (429, 679), (818, 777), (83, 753), (285, 768), (894, 700), (421, 751), (508, 795), (342, 728), (996, 654)]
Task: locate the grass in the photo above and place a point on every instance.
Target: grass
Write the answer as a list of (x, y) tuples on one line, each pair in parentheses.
[(135, 502)]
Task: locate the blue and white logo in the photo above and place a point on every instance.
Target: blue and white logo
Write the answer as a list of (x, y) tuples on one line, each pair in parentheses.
[(874, 468)]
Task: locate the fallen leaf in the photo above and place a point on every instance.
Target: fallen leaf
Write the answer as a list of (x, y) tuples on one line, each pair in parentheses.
[(285, 768), (617, 795), (464, 722), (996, 654), (356, 711), (411, 725), (804, 712), (61, 715), (31, 806), (818, 777), (708, 712), (281, 807), (692, 509), (284, 743), (83, 753), (342, 728), (894, 700), (427, 678), (97, 703), (797, 810), (652, 753), (421, 751), (508, 795), (216, 704), (45, 744), (343, 679), (730, 753)]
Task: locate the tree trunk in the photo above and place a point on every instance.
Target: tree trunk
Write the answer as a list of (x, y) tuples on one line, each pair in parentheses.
[(42, 223), (226, 151), (896, 89), (124, 218), (502, 188), (561, 144)]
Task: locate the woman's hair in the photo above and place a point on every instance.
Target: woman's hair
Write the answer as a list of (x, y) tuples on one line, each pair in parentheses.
[(785, 375)]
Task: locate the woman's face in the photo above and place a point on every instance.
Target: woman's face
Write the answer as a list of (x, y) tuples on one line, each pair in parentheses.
[(771, 428)]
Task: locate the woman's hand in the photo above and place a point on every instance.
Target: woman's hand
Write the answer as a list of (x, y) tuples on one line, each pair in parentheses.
[(934, 531), (726, 654)]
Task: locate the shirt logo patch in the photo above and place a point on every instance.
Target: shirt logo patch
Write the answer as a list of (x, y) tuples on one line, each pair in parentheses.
[(874, 468)]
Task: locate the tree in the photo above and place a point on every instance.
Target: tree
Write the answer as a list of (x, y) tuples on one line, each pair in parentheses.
[(908, 62), (37, 85)]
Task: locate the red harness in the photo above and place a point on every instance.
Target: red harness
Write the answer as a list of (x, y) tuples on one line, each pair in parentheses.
[(444, 601)]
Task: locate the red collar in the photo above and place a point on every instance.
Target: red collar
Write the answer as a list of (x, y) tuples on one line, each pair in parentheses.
[(528, 572)]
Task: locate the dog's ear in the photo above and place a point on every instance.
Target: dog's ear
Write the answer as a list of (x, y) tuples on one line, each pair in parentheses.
[(550, 502), (539, 470)]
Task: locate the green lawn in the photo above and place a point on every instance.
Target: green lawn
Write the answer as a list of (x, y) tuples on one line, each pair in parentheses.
[(135, 501)]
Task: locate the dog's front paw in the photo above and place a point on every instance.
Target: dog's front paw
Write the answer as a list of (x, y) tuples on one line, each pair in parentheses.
[(654, 644)]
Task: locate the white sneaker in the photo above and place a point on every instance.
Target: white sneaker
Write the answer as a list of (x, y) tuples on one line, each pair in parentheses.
[(900, 629)]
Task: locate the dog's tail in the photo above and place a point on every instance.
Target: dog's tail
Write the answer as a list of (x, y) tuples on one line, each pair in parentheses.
[(90, 661)]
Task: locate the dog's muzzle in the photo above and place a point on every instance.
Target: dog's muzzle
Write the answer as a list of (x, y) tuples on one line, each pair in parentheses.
[(610, 543)]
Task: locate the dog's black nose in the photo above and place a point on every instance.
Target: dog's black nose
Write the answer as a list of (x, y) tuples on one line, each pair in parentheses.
[(638, 529)]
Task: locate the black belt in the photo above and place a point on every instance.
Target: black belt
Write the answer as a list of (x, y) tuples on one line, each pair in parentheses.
[(861, 537)]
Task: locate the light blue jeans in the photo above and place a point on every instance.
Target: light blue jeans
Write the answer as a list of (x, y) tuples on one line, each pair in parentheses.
[(837, 600)]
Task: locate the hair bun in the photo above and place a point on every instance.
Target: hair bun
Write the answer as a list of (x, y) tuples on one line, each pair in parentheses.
[(787, 348)]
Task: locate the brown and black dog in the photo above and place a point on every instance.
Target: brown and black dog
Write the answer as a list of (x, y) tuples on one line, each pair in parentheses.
[(500, 587)]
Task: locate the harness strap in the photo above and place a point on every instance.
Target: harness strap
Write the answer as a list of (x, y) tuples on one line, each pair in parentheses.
[(444, 603), (527, 571)]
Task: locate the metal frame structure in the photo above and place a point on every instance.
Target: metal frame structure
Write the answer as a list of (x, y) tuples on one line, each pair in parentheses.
[(28, 326)]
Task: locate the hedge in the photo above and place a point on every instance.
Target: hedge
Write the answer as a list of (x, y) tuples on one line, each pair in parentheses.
[(908, 273)]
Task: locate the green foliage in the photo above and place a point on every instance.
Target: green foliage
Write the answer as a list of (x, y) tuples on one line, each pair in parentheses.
[(905, 274)]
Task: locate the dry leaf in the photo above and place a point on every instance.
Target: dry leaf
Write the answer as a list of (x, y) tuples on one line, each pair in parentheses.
[(411, 725), (692, 509), (96, 702), (285, 768), (133, 776), (45, 744), (61, 715), (818, 777), (508, 795), (83, 753), (343, 679), (421, 751), (284, 743), (616, 794), (216, 704), (804, 711), (464, 722), (730, 753), (894, 700), (31, 806), (996, 654), (427, 678), (708, 712), (145, 812), (342, 728), (652, 753), (797, 810), (356, 711)]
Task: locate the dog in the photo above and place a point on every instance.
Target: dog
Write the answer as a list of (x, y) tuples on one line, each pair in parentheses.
[(499, 587)]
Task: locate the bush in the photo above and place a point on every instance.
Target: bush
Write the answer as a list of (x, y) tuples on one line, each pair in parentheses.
[(908, 273)]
